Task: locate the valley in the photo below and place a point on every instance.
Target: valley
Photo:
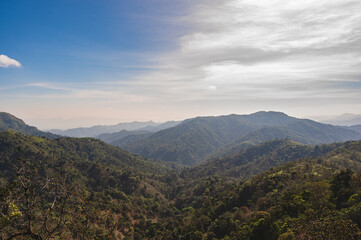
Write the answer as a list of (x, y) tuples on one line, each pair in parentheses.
[(246, 177)]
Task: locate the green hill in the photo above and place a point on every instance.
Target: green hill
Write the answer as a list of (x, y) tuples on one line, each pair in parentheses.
[(314, 198), (73, 152), (257, 159), (195, 140), (89, 183), (83, 188), (111, 137), (9, 122)]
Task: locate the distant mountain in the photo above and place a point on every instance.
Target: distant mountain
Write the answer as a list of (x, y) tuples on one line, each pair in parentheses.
[(82, 187), (9, 122), (346, 119), (161, 126), (194, 140), (356, 128), (257, 159), (301, 130), (97, 130), (118, 136), (111, 137)]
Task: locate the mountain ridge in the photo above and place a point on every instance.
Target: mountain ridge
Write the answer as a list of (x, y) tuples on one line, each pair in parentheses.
[(197, 139), (9, 122)]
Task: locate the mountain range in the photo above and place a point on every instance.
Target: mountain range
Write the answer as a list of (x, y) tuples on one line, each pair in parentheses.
[(259, 158), (82, 187), (195, 140), (116, 136), (346, 119), (95, 131)]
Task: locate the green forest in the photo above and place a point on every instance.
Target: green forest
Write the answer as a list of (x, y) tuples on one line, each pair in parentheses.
[(54, 187), (83, 188)]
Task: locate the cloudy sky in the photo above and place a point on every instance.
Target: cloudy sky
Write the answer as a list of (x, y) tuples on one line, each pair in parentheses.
[(78, 63)]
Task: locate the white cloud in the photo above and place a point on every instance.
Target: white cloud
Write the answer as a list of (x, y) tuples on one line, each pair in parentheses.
[(5, 61), (244, 56), (211, 88), (262, 49), (273, 25)]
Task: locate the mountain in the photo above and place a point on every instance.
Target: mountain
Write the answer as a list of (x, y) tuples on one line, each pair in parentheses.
[(346, 119), (161, 126), (97, 130), (301, 130), (314, 198), (197, 139), (111, 137), (118, 136), (73, 151), (75, 187), (257, 159), (356, 128), (9, 122), (79, 188), (189, 141)]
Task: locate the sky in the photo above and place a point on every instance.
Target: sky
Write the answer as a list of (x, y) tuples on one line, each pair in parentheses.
[(77, 63)]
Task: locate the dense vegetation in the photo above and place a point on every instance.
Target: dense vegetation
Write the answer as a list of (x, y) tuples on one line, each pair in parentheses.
[(257, 159), (195, 140), (85, 189), (315, 198), (87, 180)]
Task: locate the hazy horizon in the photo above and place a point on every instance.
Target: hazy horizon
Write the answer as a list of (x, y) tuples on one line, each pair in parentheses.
[(65, 124), (85, 63)]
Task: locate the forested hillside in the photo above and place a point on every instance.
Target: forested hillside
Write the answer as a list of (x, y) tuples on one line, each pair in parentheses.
[(195, 140), (315, 198), (257, 159), (73, 188), (76, 188)]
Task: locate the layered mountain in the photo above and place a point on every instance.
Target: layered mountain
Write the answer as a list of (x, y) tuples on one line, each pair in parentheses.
[(118, 136), (259, 158), (346, 119), (9, 122), (111, 137), (82, 187), (197, 139), (301, 130), (356, 128), (161, 126), (100, 129), (95, 131)]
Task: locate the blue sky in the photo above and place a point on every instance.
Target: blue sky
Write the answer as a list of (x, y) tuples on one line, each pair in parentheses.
[(83, 62), (67, 41)]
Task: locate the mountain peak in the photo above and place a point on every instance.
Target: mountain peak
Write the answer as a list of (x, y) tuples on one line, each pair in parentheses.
[(269, 113)]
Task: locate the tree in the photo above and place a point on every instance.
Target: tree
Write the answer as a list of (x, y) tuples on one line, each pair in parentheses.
[(34, 205)]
